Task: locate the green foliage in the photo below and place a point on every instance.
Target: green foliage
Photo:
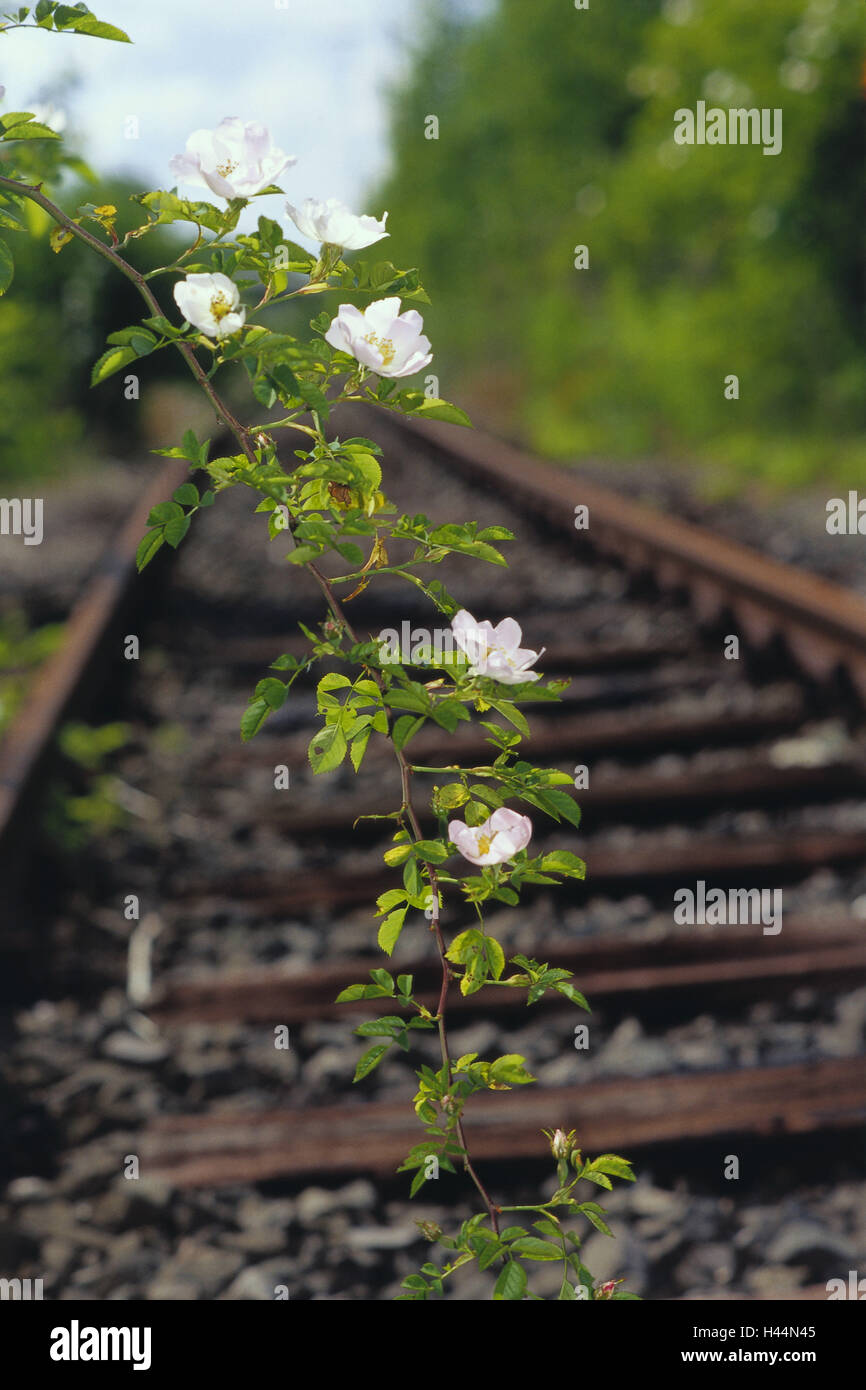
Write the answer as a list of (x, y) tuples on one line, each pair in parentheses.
[(50, 14), (327, 500), (22, 650), (556, 131)]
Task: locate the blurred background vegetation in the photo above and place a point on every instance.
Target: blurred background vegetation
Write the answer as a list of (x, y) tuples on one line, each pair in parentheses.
[(53, 324), (555, 130)]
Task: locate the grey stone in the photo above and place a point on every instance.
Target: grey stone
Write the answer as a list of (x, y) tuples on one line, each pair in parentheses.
[(135, 1202), (706, 1266), (204, 1269), (257, 1240), (136, 1051), (383, 1237), (29, 1189), (805, 1241), (315, 1202), (262, 1281)]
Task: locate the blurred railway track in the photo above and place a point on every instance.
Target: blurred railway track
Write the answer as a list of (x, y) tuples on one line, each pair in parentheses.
[(682, 745)]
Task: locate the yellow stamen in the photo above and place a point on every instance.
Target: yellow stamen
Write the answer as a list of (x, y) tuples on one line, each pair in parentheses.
[(385, 346), (228, 168), (484, 843), (219, 306)]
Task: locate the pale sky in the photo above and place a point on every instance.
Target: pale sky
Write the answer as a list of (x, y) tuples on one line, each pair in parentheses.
[(314, 71)]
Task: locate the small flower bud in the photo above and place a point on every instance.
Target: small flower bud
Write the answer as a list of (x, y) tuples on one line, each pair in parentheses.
[(606, 1290), (429, 1230), (561, 1144)]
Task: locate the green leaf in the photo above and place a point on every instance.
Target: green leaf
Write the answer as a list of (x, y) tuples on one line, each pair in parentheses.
[(431, 851), (139, 339), (387, 1027), (390, 929), (7, 267), (612, 1163), (147, 548), (396, 856), (175, 530), (434, 408), (567, 1291), (482, 956), (597, 1222), (405, 728), (254, 717), (327, 749), (163, 512), (566, 988), (333, 681), (272, 690), (512, 714), (81, 21), (511, 1284), (187, 494), (111, 362), (561, 861), (532, 1248), (565, 805), (510, 1070), (370, 1061), (30, 130), (359, 748)]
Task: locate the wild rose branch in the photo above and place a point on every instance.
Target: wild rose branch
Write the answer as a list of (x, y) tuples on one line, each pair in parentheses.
[(328, 499)]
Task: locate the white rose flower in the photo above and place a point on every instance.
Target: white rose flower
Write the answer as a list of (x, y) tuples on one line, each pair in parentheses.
[(210, 303), (494, 651), (333, 223), (235, 160), (381, 338)]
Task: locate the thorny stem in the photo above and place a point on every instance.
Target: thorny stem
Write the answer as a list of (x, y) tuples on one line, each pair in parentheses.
[(244, 437)]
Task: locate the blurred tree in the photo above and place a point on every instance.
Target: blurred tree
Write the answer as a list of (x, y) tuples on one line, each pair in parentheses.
[(72, 300), (556, 130)]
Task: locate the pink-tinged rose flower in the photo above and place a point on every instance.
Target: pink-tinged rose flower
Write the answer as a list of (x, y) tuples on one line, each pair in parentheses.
[(333, 224), (381, 338), (210, 303), (234, 161), (502, 836), (494, 651)]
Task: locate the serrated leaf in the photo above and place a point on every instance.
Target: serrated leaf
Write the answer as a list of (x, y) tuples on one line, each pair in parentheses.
[(359, 748), (511, 1284), (510, 1071), (561, 861), (30, 130), (434, 408), (533, 1248), (370, 1061), (175, 530), (390, 929), (327, 749), (187, 494), (111, 362), (253, 718), (570, 992), (147, 548)]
